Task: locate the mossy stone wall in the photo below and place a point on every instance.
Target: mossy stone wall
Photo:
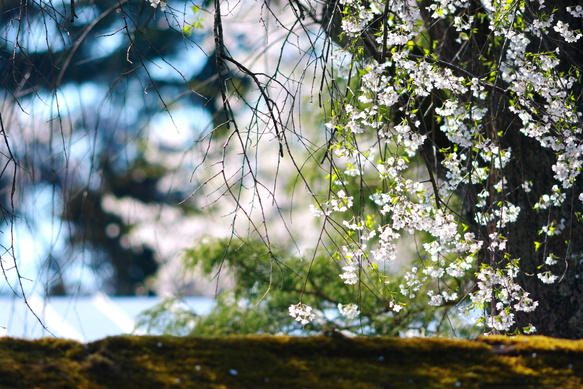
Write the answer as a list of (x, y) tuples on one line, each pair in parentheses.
[(290, 362)]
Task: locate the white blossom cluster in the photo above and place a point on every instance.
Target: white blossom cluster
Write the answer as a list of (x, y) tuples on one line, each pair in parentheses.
[(353, 259), (576, 12), (357, 19), (302, 313), (339, 204), (349, 311), (528, 77), (458, 122), (408, 203), (156, 3), (547, 277), (508, 294), (555, 199), (568, 35), (442, 8), (350, 275)]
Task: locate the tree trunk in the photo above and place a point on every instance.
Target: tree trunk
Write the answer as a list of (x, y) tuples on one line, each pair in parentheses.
[(560, 309)]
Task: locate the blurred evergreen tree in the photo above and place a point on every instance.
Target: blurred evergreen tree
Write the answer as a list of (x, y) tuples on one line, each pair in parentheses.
[(107, 57)]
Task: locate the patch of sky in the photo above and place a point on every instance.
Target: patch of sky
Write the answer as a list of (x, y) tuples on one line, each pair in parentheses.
[(81, 278), (85, 14), (106, 43), (127, 105), (179, 129), (8, 35), (40, 35), (37, 234), (68, 99), (182, 66), (81, 152), (88, 95)]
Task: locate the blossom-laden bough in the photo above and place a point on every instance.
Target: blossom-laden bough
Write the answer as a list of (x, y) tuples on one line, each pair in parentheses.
[(486, 95), (455, 124)]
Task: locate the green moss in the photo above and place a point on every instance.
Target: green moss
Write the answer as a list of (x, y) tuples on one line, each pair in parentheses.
[(288, 362), (23, 363)]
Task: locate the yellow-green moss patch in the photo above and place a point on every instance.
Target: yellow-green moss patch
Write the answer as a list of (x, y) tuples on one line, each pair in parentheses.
[(288, 362)]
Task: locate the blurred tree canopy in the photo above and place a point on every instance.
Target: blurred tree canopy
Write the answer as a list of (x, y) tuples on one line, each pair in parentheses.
[(81, 83), (118, 119), (266, 281)]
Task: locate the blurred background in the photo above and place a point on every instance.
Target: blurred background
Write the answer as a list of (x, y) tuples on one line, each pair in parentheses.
[(117, 156)]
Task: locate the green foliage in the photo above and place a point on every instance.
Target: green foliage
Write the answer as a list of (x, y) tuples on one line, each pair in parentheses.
[(196, 24), (291, 362), (267, 281), (169, 317)]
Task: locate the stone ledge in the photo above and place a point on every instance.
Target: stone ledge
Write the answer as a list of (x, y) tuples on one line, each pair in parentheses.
[(292, 362)]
